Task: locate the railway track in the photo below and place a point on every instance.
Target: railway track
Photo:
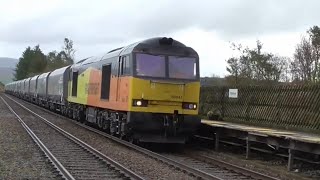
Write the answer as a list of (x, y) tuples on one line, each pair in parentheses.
[(73, 158), (212, 166), (201, 167)]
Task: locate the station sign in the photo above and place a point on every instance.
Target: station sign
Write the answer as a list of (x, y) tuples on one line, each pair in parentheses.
[(233, 93)]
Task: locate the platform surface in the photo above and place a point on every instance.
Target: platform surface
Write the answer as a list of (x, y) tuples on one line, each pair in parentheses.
[(294, 135)]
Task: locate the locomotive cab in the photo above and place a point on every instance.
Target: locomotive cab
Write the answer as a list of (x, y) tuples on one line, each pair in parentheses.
[(165, 92)]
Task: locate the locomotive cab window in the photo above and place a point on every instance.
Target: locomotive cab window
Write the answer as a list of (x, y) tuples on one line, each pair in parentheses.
[(150, 65), (182, 67), (128, 69), (172, 67), (124, 66)]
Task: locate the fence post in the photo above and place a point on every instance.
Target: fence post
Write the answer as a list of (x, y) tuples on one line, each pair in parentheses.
[(222, 101), (277, 106), (248, 106)]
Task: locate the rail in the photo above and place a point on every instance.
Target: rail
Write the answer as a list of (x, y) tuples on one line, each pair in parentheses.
[(93, 151), (172, 162)]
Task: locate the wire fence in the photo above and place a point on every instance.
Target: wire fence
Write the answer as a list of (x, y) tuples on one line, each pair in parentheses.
[(289, 107)]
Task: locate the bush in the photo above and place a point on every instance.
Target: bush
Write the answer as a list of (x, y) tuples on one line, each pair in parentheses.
[(214, 114)]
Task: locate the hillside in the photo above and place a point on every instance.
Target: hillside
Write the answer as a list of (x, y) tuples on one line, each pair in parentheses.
[(7, 66), (8, 62), (6, 74), (1, 87)]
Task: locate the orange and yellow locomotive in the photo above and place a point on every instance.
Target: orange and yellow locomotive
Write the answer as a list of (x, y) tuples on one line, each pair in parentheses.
[(147, 91)]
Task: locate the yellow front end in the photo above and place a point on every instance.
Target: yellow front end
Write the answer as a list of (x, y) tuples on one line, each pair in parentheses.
[(164, 110), (164, 96)]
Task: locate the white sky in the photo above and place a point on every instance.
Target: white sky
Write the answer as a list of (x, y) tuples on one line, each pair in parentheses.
[(208, 26)]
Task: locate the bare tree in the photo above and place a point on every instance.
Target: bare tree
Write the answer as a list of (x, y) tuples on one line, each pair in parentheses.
[(314, 34), (68, 51), (303, 66), (254, 66)]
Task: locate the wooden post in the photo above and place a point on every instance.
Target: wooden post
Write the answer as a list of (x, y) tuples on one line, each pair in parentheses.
[(217, 134), (248, 147), (222, 102), (290, 159)]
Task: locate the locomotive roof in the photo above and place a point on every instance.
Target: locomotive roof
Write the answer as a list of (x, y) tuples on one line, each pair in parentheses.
[(150, 43)]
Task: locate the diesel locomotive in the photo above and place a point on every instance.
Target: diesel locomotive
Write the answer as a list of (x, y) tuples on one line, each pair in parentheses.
[(147, 91)]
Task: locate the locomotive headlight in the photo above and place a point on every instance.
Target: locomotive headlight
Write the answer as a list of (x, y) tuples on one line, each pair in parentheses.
[(139, 103), (191, 106)]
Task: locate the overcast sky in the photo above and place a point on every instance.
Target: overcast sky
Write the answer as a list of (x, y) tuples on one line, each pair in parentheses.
[(207, 26)]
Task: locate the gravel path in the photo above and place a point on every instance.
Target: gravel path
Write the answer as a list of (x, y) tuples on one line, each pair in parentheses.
[(20, 158), (137, 162)]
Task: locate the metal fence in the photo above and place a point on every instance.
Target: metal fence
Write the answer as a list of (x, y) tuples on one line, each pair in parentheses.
[(289, 107)]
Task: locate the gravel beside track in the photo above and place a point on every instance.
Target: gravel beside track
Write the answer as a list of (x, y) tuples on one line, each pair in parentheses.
[(261, 162), (145, 166), (80, 163), (215, 169), (20, 157)]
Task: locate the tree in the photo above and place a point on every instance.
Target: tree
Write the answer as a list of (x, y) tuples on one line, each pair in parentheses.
[(67, 51), (38, 62), (32, 62), (21, 70), (314, 34), (55, 60), (255, 67), (302, 65), (305, 66), (234, 68), (64, 58), (281, 68)]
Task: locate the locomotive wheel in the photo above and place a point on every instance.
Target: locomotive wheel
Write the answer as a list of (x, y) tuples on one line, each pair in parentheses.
[(77, 114), (133, 140), (81, 117), (112, 126), (99, 121), (124, 137), (106, 125), (70, 112)]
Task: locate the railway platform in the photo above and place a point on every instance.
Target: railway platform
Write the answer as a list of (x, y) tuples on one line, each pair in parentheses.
[(293, 141)]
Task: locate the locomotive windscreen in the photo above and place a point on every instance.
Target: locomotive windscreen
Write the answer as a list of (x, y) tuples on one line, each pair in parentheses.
[(150, 65), (174, 67), (182, 67)]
